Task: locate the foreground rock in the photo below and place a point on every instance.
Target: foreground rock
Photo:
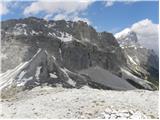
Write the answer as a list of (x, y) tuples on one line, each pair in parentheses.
[(48, 102)]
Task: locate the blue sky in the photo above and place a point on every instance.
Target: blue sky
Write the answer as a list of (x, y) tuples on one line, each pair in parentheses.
[(121, 15), (103, 16)]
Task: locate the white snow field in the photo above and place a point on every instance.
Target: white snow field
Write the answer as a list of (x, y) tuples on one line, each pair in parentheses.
[(58, 102)]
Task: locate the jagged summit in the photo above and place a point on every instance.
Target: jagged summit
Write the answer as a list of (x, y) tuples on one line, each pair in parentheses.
[(127, 38), (124, 32)]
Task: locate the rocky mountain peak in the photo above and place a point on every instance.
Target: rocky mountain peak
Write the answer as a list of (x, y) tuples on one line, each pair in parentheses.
[(127, 37), (71, 52)]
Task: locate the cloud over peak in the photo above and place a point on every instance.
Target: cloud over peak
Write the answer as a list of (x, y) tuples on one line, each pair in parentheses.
[(68, 10), (70, 17), (147, 33), (3, 8)]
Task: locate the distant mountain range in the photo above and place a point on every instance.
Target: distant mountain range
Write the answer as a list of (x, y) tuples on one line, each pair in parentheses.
[(35, 52), (142, 61)]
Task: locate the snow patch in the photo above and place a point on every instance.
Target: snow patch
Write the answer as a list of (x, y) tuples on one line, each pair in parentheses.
[(86, 39), (67, 25), (123, 33), (25, 32), (50, 34), (53, 75), (36, 53), (131, 60), (51, 25), (65, 37), (70, 81), (113, 51), (3, 56), (53, 58), (20, 25), (24, 80), (60, 51), (38, 72), (34, 32), (21, 75), (46, 52), (19, 29), (7, 78)]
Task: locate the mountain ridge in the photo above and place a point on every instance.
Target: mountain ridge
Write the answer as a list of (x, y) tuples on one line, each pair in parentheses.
[(75, 46)]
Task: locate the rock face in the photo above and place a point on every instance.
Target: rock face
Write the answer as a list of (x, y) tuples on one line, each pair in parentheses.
[(104, 78), (56, 52), (72, 41)]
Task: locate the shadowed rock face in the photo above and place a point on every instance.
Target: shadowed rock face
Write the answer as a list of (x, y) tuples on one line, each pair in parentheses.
[(105, 78), (55, 53)]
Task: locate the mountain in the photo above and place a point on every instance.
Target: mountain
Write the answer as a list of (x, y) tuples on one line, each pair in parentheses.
[(127, 38), (37, 52), (142, 61)]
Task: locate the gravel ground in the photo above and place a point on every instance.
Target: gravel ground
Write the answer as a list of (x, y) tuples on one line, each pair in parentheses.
[(86, 102)]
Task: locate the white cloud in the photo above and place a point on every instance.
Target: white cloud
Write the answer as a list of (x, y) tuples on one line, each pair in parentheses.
[(73, 17), (109, 3), (81, 19), (48, 16), (61, 17), (59, 9), (56, 6), (3, 8), (147, 33)]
